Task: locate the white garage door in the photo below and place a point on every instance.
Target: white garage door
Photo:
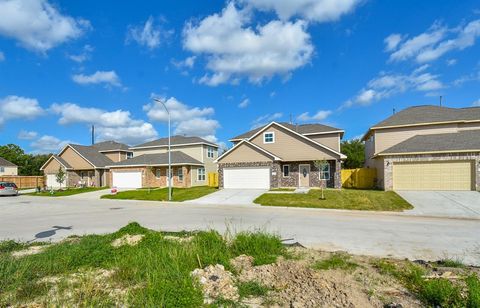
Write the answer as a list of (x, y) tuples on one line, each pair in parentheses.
[(52, 181), (124, 179), (246, 178)]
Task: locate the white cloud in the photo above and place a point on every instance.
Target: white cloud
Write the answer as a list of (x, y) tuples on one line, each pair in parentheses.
[(451, 62), (234, 49), (392, 41), (48, 144), (38, 25), (109, 125), (110, 78), (435, 42), (319, 116), (83, 56), (265, 119), (2, 56), (313, 10), (188, 62), (387, 85), (244, 103), (186, 120), (476, 103), (17, 107), (147, 35), (27, 135)]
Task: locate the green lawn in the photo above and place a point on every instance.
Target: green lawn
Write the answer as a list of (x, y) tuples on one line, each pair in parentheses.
[(66, 192), (347, 199), (178, 194)]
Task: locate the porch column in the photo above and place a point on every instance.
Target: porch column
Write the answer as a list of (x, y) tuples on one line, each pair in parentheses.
[(338, 175)]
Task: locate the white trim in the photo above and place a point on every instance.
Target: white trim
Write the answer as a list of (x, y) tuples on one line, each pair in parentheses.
[(250, 143), (48, 160), (302, 136), (68, 145), (203, 154), (173, 145), (151, 165), (204, 174), (283, 172), (273, 137), (425, 152), (299, 174), (325, 133), (117, 150), (213, 152)]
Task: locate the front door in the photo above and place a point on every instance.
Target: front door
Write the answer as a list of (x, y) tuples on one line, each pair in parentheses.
[(304, 176)]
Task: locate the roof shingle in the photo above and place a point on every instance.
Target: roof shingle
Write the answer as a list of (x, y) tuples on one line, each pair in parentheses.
[(174, 140), (301, 129), (6, 163), (92, 155), (110, 146), (62, 161), (177, 158), (450, 142)]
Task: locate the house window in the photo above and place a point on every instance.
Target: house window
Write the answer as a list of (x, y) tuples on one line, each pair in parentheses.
[(210, 152), (158, 173), (129, 155), (2, 169), (180, 174), (201, 174), (286, 170), (269, 137), (83, 174), (325, 172)]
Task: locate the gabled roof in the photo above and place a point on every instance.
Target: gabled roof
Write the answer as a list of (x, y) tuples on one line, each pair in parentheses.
[(6, 163), (108, 146), (174, 141), (430, 114), (251, 144), (92, 155), (60, 160), (303, 129), (463, 141), (161, 159)]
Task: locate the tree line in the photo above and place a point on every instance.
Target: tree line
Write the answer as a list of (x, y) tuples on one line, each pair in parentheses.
[(28, 164)]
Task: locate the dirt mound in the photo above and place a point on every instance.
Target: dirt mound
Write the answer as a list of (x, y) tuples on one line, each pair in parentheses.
[(242, 262), (127, 239), (216, 283)]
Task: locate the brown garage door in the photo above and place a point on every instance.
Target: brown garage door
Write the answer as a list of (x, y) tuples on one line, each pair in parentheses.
[(457, 175)]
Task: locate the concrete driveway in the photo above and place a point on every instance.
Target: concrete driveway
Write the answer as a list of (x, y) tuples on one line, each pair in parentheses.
[(455, 204), (230, 197)]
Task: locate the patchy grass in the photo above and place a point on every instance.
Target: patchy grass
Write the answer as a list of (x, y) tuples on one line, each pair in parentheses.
[(450, 263), (282, 189), (178, 194), (348, 199), (473, 285), (154, 273), (66, 192), (252, 288), (263, 247), (336, 261)]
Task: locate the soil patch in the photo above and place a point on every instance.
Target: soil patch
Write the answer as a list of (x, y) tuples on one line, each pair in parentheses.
[(127, 239)]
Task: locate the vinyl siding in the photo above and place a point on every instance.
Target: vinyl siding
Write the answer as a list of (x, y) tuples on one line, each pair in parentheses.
[(330, 140), (245, 153), (291, 147), (116, 156), (9, 170), (52, 167), (194, 151), (75, 160)]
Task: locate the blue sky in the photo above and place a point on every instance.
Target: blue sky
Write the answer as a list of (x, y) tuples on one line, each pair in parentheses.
[(224, 67)]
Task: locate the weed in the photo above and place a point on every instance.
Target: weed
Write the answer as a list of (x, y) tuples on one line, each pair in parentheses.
[(336, 261), (440, 293), (10, 245), (451, 263), (473, 285), (252, 288), (263, 247)]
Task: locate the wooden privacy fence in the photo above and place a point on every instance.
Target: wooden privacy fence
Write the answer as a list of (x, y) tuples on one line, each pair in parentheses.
[(24, 181), (359, 178), (213, 179)]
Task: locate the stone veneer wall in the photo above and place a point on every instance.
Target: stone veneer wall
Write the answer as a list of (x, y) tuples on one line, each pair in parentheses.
[(390, 160), (278, 180)]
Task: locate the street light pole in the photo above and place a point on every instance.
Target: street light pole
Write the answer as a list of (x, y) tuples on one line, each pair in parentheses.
[(169, 175)]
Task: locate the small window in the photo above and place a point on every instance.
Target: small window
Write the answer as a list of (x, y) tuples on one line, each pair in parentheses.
[(180, 174), (201, 174), (286, 170), (158, 173), (2, 169), (129, 155), (210, 152), (269, 137), (325, 172)]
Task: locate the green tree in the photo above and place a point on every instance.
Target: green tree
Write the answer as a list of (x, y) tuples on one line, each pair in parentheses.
[(355, 151), (60, 176), (13, 153), (321, 165), (28, 164)]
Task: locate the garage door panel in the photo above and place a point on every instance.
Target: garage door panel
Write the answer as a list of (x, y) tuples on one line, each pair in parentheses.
[(240, 178), (450, 175), (125, 179)]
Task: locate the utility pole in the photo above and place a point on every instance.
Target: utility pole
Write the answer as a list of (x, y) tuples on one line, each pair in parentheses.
[(441, 100), (169, 175), (93, 134)]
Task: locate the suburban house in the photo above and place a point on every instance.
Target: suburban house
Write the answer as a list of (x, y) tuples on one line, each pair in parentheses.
[(7, 168), (84, 165), (283, 155), (426, 148), (192, 158)]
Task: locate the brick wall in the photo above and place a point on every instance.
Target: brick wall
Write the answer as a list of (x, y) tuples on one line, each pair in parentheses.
[(149, 176)]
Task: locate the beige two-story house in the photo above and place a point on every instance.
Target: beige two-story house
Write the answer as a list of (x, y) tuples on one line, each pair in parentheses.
[(426, 148), (84, 165), (7, 168), (192, 158), (283, 155)]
